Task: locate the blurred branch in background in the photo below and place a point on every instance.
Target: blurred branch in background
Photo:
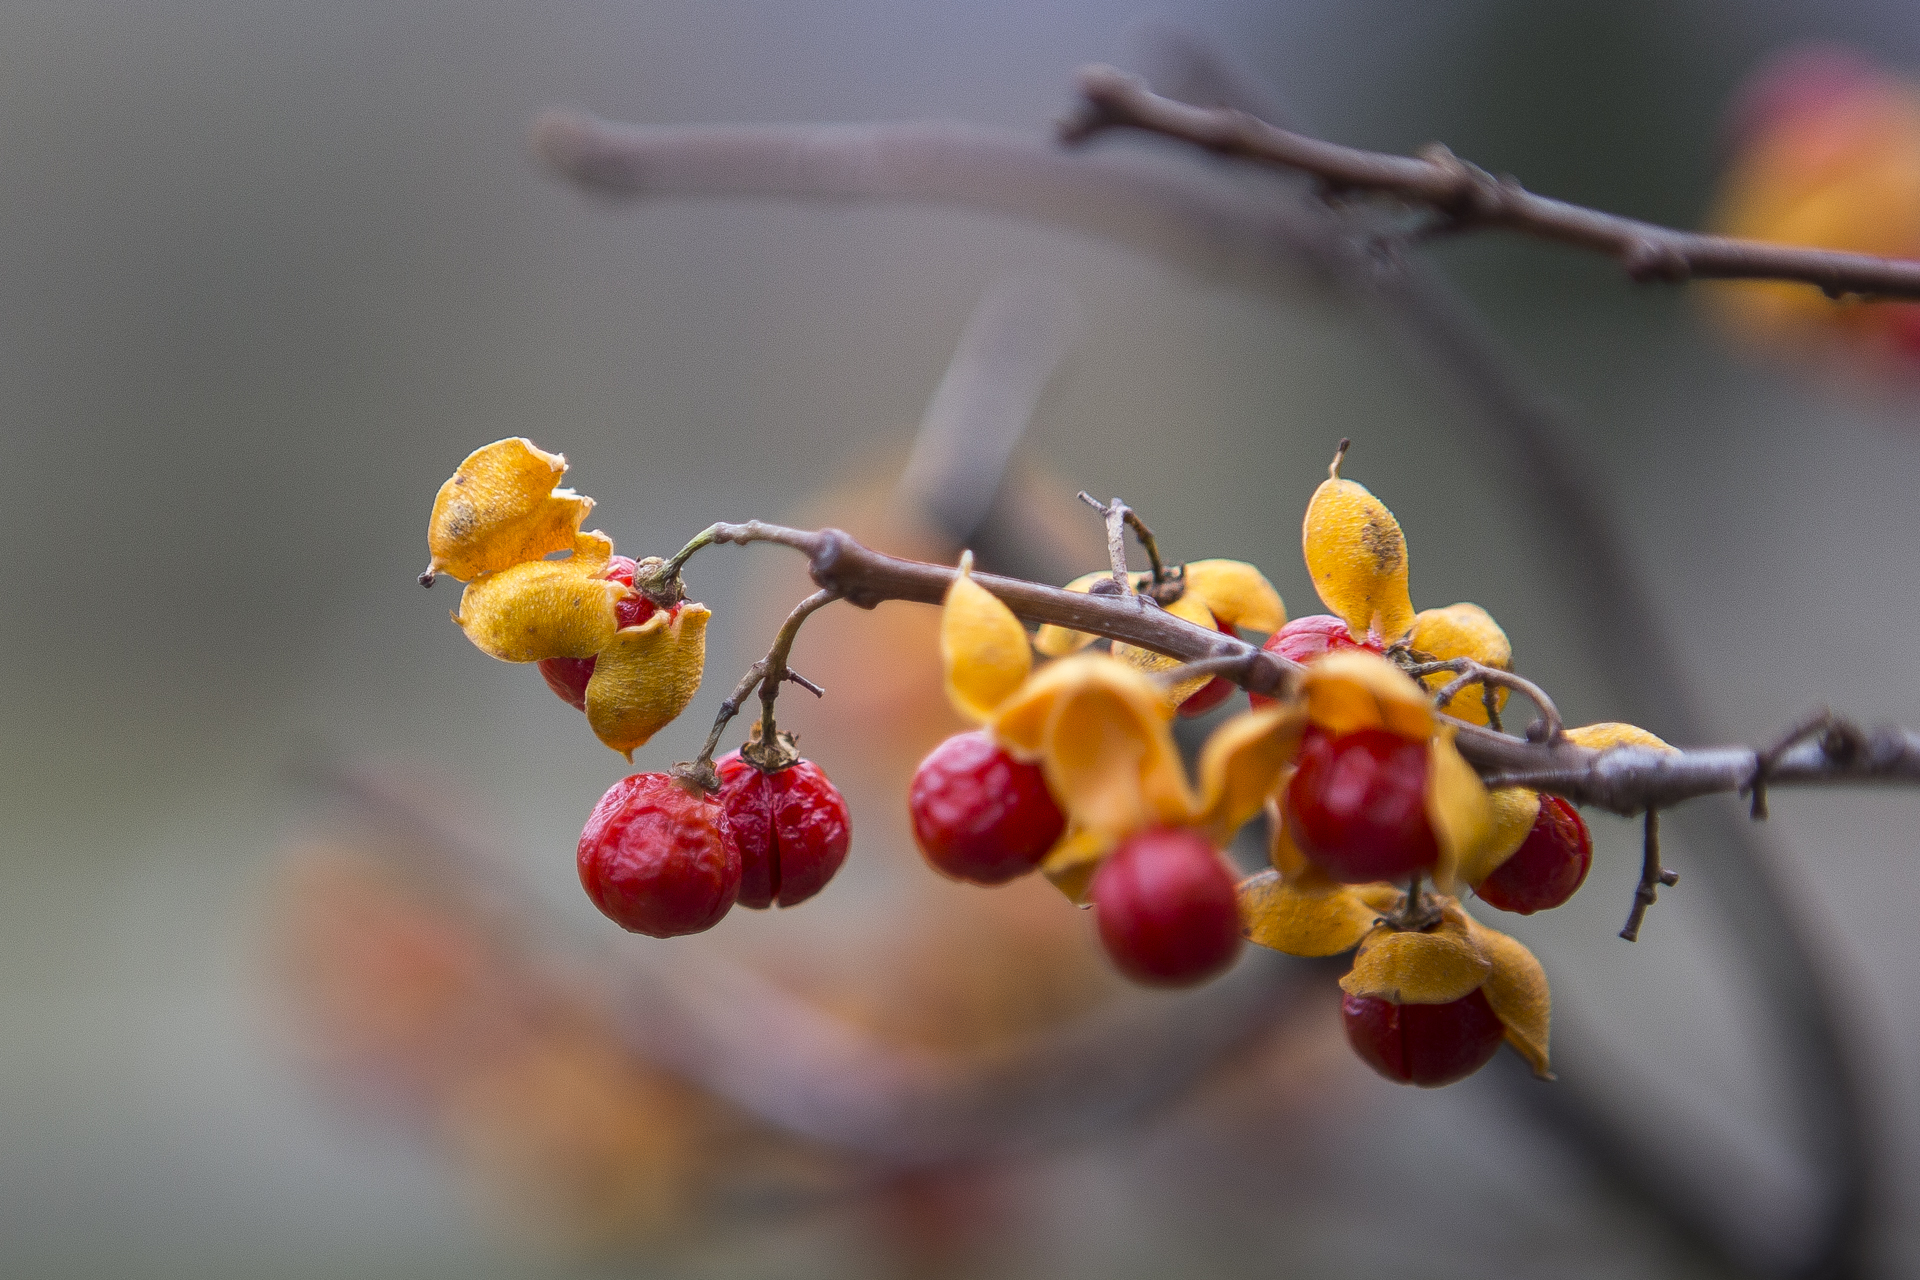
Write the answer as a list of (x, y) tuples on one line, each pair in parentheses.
[(1467, 198), (1203, 220)]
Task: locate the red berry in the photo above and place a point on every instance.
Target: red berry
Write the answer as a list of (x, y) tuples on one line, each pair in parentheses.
[(1166, 908), (1305, 639), (1356, 806), (568, 677), (1424, 1044), (657, 858), (1213, 692), (979, 814), (791, 827), (1549, 865)]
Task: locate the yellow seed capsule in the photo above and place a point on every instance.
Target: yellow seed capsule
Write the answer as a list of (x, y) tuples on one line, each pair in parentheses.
[(1517, 991), (1514, 810), (1237, 594), (646, 676), (1313, 916), (1457, 809), (1614, 733), (1358, 558), (501, 509), (1463, 631), (983, 647), (1439, 966), (545, 608)]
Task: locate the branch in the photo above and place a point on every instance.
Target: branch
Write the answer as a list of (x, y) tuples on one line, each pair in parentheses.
[(1468, 197), (1625, 780)]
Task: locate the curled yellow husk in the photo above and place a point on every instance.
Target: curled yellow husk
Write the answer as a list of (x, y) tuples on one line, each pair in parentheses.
[(500, 508), (646, 676)]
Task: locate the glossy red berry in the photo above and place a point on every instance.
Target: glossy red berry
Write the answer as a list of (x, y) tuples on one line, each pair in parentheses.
[(791, 827), (1356, 806), (1549, 865), (1212, 693), (1313, 636), (1423, 1044), (1166, 908), (568, 677), (657, 858), (979, 814)]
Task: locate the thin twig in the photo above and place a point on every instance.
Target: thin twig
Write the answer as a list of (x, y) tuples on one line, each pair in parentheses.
[(1471, 672), (1767, 759), (1470, 197), (1652, 876), (771, 753)]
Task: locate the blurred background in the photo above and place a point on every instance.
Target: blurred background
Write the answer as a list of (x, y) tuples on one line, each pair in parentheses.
[(272, 270)]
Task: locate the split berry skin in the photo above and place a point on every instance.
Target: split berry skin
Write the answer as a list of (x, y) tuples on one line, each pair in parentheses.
[(1356, 806), (1424, 1044), (791, 827), (980, 815), (1212, 693), (1547, 868), (1166, 908), (1305, 639), (568, 677), (658, 859)]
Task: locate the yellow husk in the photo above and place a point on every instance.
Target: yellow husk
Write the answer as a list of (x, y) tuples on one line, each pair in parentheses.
[(1612, 733), (1457, 809), (500, 508), (1439, 966), (1352, 689), (983, 647), (1309, 916), (646, 676), (1514, 810), (1057, 641), (1358, 558), (1236, 593), (1517, 991), (545, 608), (1463, 631)]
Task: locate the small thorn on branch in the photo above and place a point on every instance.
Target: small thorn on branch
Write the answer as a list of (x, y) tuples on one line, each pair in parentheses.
[(1652, 876), (1821, 723)]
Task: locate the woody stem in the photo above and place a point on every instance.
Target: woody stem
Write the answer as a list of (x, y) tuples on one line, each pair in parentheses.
[(774, 665)]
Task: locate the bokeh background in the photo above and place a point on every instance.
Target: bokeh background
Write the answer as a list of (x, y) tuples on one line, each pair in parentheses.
[(271, 270)]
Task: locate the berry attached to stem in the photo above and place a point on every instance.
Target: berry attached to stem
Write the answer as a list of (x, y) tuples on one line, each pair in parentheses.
[(1547, 868), (657, 858), (1356, 806), (1166, 907), (790, 824), (1424, 1044), (979, 814)]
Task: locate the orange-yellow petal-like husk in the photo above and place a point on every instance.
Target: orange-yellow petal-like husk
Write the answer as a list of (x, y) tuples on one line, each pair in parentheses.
[(1314, 916), (1099, 729), (1457, 809), (1353, 689), (501, 509), (1439, 966), (545, 608), (647, 676), (1236, 593), (983, 647), (1191, 608), (1056, 641), (1070, 864), (1514, 810), (1241, 764), (1612, 733), (1463, 631), (1517, 991), (1358, 558)]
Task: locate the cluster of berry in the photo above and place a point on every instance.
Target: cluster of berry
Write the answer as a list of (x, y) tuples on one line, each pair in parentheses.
[(1373, 816)]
